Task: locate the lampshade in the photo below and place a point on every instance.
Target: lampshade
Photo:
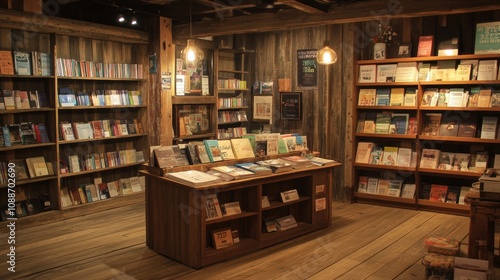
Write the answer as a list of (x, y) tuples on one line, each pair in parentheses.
[(326, 55), (192, 55)]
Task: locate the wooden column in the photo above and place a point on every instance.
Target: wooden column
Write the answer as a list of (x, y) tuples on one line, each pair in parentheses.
[(160, 98)]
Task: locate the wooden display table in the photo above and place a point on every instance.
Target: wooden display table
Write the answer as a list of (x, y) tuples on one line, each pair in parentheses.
[(176, 224), (483, 215)]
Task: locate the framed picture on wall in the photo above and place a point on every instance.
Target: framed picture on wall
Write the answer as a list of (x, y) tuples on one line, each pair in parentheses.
[(291, 105), (263, 107)]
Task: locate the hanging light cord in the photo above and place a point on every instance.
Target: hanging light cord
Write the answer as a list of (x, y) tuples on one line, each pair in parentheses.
[(190, 20)]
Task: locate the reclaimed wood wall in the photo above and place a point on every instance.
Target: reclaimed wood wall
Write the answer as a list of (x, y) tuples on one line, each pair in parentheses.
[(328, 109)]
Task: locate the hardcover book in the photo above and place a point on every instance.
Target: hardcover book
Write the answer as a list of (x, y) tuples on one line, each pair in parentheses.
[(467, 127), (425, 46), (404, 157), (438, 193), (407, 72), (487, 70), (255, 168), (394, 188), (390, 155), (6, 63), (22, 63), (382, 186), (386, 73), (362, 184), (461, 162), (367, 73), (242, 148), (446, 160), (408, 191), (363, 152), (212, 207), (489, 127), (376, 155), (372, 185), (193, 178), (487, 38), (430, 158), (449, 125), (432, 124), (234, 171), (484, 98), (397, 97), (367, 97), (213, 151), (430, 97)]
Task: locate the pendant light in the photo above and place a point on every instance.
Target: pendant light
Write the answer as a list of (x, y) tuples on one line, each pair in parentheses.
[(191, 55), (326, 55)]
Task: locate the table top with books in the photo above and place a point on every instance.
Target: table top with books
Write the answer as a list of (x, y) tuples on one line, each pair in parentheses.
[(219, 175)]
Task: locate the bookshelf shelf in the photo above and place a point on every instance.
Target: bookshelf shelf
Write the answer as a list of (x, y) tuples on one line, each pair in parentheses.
[(131, 49), (449, 137)]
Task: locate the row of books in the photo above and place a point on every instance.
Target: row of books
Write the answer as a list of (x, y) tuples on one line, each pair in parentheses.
[(475, 161), (22, 99), (25, 63), (99, 129), (68, 97), (387, 97), (231, 116), (445, 193), (66, 67), (231, 84), (442, 70), (31, 167), (232, 102), (98, 190), (439, 124), (84, 162), (24, 133), (231, 132), (369, 152), (381, 186), (387, 123), (25, 206), (263, 88), (459, 97)]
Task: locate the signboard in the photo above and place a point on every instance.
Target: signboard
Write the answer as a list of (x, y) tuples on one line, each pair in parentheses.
[(291, 105), (487, 38), (307, 70)]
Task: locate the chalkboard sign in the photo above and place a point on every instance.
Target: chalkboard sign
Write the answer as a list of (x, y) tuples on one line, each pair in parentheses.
[(307, 70), (291, 105)]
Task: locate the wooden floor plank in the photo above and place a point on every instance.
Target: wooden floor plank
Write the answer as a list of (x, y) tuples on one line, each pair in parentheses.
[(363, 242)]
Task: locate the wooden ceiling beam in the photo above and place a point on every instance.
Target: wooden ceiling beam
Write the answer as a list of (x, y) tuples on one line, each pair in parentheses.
[(353, 12), (306, 6)]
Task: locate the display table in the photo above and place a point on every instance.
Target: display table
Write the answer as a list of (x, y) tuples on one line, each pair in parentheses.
[(176, 224)]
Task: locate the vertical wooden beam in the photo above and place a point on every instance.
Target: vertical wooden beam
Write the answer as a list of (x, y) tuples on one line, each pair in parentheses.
[(32, 6), (160, 100)]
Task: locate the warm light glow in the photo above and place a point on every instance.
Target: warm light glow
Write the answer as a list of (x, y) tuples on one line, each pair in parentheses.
[(326, 55), (134, 21), (121, 18), (192, 55)]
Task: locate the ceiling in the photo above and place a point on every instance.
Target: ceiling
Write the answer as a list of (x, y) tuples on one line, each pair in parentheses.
[(186, 11)]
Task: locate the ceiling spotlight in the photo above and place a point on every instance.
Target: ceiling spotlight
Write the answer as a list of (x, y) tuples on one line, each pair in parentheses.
[(133, 21), (121, 18)]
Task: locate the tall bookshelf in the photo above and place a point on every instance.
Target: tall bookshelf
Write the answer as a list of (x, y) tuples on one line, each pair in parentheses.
[(125, 55), (420, 176), (233, 92)]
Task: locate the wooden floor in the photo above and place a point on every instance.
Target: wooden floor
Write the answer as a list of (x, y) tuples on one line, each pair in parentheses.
[(363, 242)]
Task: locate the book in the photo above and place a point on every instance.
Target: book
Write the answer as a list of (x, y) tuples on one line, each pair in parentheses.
[(479, 160), (399, 122), (20, 169), (386, 72), (67, 97), (276, 165), (366, 97), (234, 171), (27, 133), (22, 63), (286, 222), (255, 168), (449, 125), (212, 207), (394, 188), (410, 98), (467, 127), (322, 161), (367, 73), (408, 190), (484, 98), (438, 193), (432, 124), (6, 63), (424, 71), (14, 134), (474, 65), (372, 185), (164, 157), (242, 148), (297, 162), (8, 98), (404, 157), (430, 97), (193, 178), (382, 186), (376, 155), (382, 123), (231, 208), (457, 98), (180, 155), (363, 152), (464, 191), (38, 165), (495, 98), (362, 184), (406, 72), (446, 160), (463, 72), (390, 155), (201, 152), (191, 154), (487, 70), (461, 162), (425, 46), (429, 158), (397, 97), (226, 149), (489, 127), (213, 151)]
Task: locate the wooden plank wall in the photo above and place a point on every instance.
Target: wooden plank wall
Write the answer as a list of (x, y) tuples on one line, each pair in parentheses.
[(328, 109)]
